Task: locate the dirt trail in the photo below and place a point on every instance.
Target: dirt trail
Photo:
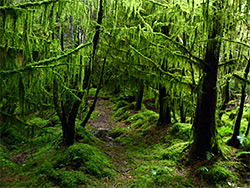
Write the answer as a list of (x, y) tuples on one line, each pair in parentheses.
[(103, 121), (117, 153)]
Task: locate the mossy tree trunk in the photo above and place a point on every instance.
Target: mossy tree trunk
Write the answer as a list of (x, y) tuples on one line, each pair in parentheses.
[(204, 127), (139, 96), (226, 96), (164, 112), (182, 111), (234, 141), (67, 112)]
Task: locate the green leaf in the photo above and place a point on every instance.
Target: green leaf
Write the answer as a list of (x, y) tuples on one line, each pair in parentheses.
[(76, 157), (242, 152), (209, 155), (202, 168)]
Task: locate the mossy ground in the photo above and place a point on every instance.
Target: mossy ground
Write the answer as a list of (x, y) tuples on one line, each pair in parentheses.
[(138, 154)]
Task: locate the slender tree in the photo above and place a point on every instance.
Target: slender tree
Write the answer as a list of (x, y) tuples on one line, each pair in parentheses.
[(233, 141)]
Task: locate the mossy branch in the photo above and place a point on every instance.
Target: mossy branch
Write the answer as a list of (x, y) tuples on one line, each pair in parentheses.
[(13, 116), (237, 42), (181, 47), (158, 3), (26, 5), (244, 80), (43, 62)]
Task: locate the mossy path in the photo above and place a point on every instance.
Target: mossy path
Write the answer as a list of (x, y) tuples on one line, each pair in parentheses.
[(104, 124), (134, 153), (156, 157)]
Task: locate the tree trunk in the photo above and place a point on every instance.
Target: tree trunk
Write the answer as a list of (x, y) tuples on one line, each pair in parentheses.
[(67, 115), (139, 96), (226, 100), (182, 111), (91, 60), (86, 119), (234, 141), (164, 113), (248, 127), (204, 127)]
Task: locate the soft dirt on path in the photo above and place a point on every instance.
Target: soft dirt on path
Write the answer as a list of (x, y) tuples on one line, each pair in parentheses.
[(116, 152), (103, 120)]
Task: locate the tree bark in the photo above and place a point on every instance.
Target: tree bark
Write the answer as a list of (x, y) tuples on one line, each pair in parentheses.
[(204, 127), (234, 141), (86, 119), (248, 127), (139, 96), (226, 100), (67, 116), (95, 42), (182, 111), (164, 113)]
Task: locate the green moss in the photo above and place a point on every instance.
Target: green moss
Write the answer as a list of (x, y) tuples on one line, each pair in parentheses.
[(217, 174), (4, 158), (117, 132), (157, 176), (94, 114), (181, 131), (174, 152), (75, 179), (87, 158), (83, 135), (120, 104), (37, 121), (47, 169), (122, 113), (143, 120), (92, 91)]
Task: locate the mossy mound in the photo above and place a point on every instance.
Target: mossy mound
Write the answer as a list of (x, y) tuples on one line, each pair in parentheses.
[(117, 132), (122, 113), (174, 152), (156, 176), (120, 104), (143, 120), (217, 174), (83, 135), (79, 165), (181, 131), (88, 159)]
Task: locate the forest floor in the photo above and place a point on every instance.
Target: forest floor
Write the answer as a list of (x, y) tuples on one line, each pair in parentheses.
[(134, 156), (141, 155)]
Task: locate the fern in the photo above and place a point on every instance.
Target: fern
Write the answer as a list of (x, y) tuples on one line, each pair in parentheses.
[(202, 169), (242, 153), (209, 155)]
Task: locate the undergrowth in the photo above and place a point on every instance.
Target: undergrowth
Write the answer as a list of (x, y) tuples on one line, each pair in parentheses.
[(140, 154)]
